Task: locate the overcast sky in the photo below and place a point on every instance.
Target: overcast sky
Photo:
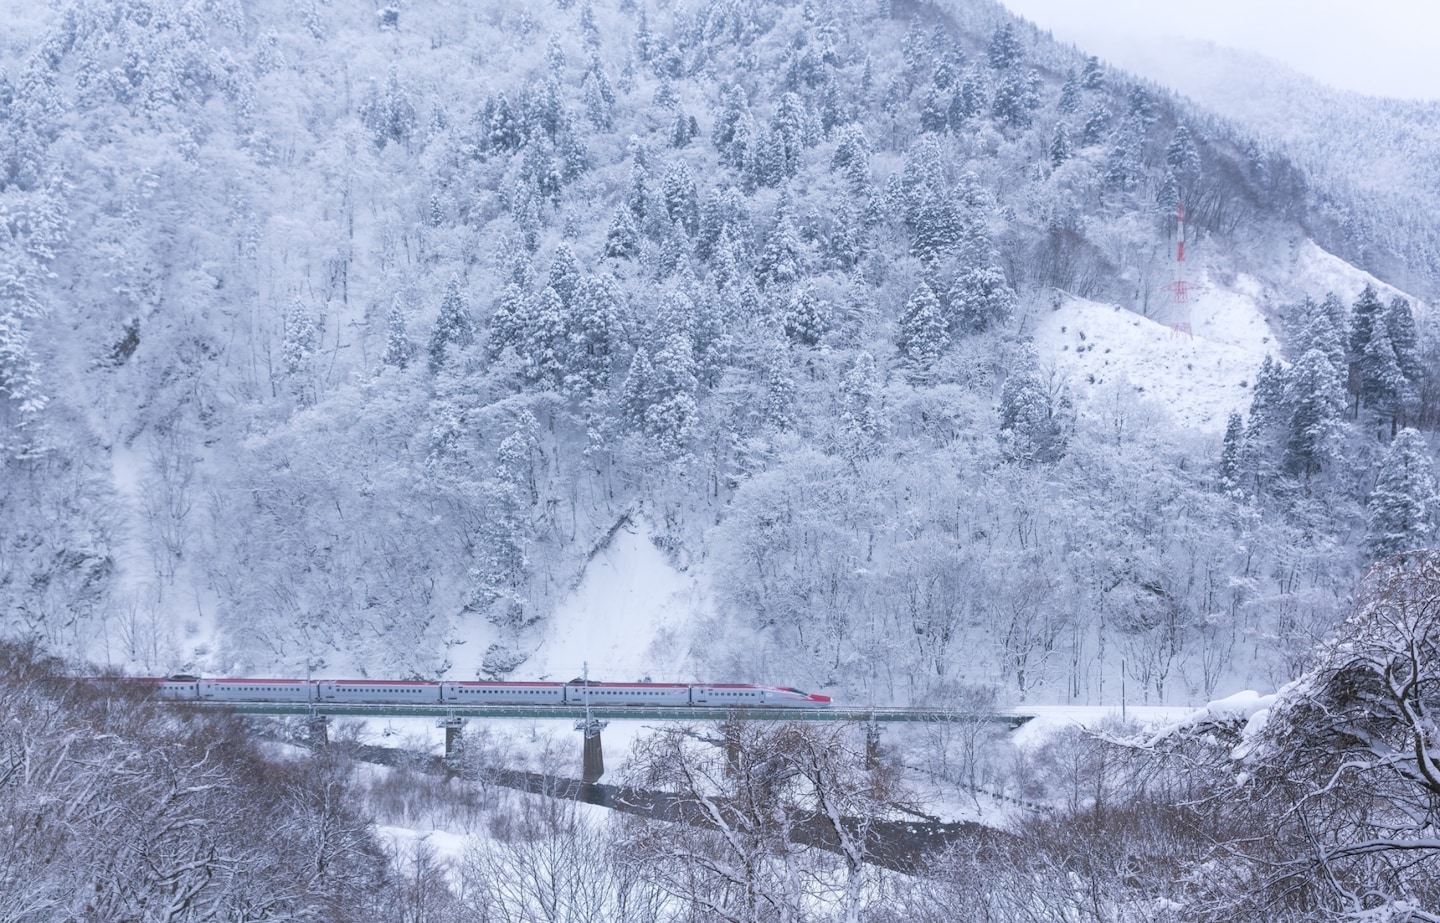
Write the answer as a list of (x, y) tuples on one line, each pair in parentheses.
[(1379, 47)]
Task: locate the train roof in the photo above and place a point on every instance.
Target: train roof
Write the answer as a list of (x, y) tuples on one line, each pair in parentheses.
[(595, 684), (381, 682)]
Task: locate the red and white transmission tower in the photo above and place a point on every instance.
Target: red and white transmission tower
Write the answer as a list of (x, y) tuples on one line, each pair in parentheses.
[(1180, 288)]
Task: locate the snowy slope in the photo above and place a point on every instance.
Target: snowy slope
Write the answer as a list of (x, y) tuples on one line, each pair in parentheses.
[(1199, 377), (1201, 373), (629, 618)]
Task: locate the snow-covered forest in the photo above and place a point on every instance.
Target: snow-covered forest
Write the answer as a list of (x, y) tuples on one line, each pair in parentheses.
[(342, 338)]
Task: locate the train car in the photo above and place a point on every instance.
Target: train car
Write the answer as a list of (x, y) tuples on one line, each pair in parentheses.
[(578, 692), (253, 690), (166, 687), (491, 693), (744, 695), (388, 691)]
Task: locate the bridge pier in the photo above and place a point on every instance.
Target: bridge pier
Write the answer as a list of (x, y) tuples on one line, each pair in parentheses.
[(454, 736), (730, 732), (593, 758), (872, 744)]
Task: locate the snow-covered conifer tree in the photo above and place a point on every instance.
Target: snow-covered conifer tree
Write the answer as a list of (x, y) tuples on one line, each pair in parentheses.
[(453, 327), (297, 352), (399, 349), (1315, 400), (922, 337), (1034, 419), (1401, 509)]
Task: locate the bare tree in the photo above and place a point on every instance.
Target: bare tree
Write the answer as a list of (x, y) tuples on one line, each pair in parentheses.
[(757, 817)]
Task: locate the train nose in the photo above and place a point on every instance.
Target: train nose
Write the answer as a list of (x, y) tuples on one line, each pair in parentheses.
[(820, 699)]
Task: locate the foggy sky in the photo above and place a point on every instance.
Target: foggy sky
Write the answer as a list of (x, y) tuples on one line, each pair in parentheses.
[(1377, 47)]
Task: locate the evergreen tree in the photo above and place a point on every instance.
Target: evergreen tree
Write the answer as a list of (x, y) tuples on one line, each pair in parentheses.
[(926, 207), (922, 337), (593, 328), (507, 322), (683, 130), (1320, 331), (981, 299), (805, 318), (1059, 145), (1400, 324), (730, 127), (1034, 421), (792, 130), (599, 100), (1383, 387), (969, 100), (636, 390), (564, 275), (1017, 96), (1401, 509), (297, 352), (1267, 399), (1232, 454), (399, 350), (1092, 77), (852, 159), (1004, 52), (671, 410), (1315, 398), (503, 133), (862, 420), (1183, 159), (453, 327), (782, 260), (22, 396), (1167, 196), (637, 195), (935, 110), (1069, 102), (1363, 316), (682, 203), (1124, 166), (1097, 125), (544, 346), (622, 241)]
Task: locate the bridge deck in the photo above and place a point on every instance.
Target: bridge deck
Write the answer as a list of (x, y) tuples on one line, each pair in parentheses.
[(614, 713)]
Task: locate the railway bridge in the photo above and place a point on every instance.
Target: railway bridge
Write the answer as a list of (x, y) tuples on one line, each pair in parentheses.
[(590, 721)]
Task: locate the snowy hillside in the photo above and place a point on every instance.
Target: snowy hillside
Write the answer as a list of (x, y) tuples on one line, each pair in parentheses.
[(1195, 359), (335, 342), (1386, 149)]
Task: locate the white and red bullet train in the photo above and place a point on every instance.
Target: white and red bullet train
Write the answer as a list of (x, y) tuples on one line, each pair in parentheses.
[(420, 692)]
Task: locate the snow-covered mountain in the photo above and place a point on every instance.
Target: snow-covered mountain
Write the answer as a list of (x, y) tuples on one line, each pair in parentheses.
[(831, 343), (1378, 160)]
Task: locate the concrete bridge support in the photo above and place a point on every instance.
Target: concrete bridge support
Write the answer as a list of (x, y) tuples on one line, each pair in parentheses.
[(593, 760), (454, 736), (872, 744), (730, 730)]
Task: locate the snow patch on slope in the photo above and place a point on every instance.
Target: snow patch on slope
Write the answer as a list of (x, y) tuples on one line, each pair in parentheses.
[(629, 618), (1200, 376), (1201, 373), (1318, 272)]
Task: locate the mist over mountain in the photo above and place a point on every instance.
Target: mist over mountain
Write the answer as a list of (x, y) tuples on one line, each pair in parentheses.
[(1374, 160), (340, 339)]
